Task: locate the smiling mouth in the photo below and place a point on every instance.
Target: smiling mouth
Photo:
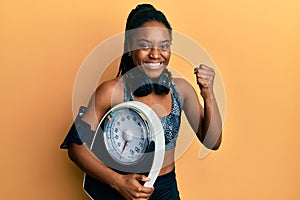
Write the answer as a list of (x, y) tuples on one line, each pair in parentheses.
[(153, 65)]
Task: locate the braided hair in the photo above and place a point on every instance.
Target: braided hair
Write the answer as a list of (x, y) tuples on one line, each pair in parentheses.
[(137, 17)]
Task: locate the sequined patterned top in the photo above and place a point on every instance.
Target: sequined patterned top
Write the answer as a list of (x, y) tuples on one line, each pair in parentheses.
[(171, 122)]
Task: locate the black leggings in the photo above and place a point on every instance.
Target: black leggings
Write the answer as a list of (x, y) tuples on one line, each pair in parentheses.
[(165, 188)]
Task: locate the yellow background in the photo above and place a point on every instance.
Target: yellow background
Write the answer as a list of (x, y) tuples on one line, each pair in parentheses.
[(253, 43)]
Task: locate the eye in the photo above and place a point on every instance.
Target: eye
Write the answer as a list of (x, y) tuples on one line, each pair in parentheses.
[(144, 46), (165, 46)]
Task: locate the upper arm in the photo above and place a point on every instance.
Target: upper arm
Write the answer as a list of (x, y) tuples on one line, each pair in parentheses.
[(190, 103), (101, 101)]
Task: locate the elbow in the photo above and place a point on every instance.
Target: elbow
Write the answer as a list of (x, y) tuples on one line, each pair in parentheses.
[(218, 144), (72, 151), (216, 147), (213, 145)]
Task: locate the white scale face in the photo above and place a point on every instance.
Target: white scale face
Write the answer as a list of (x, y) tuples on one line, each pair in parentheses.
[(126, 135)]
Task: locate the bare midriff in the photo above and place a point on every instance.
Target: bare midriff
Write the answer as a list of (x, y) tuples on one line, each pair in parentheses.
[(168, 164)]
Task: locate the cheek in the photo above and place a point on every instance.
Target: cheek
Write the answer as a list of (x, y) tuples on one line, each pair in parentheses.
[(135, 60), (138, 56), (167, 56)]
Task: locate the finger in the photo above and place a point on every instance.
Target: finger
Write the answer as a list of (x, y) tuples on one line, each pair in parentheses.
[(147, 190), (202, 72), (202, 84), (204, 75), (142, 196), (201, 66), (143, 192), (142, 178), (203, 81), (203, 78), (204, 67), (206, 72)]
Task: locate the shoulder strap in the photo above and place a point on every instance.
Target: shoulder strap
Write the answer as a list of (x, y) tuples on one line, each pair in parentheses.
[(176, 94), (128, 96)]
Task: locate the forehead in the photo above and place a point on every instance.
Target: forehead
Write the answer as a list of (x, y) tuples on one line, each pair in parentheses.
[(152, 31)]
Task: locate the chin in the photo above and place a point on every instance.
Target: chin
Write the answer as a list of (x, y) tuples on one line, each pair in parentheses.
[(153, 73)]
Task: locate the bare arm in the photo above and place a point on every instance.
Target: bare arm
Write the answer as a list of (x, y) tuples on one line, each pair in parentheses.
[(127, 185), (205, 121)]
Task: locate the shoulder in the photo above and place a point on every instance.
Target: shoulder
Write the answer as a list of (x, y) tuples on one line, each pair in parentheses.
[(184, 88), (109, 90), (183, 85), (181, 82), (106, 96), (107, 86)]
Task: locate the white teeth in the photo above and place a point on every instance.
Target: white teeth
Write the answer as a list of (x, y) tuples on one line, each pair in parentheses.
[(153, 64)]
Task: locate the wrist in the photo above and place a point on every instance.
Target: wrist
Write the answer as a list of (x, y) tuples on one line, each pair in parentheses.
[(209, 99), (114, 179)]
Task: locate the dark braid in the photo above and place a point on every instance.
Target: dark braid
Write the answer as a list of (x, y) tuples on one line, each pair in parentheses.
[(137, 17)]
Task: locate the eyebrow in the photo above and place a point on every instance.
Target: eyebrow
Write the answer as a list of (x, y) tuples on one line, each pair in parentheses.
[(145, 40)]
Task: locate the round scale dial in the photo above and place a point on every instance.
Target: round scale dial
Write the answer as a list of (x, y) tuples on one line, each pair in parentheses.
[(126, 135)]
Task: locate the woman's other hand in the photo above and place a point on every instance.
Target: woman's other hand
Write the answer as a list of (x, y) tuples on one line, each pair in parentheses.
[(130, 188), (205, 79)]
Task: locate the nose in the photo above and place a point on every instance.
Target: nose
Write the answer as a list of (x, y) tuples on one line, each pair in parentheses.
[(154, 53)]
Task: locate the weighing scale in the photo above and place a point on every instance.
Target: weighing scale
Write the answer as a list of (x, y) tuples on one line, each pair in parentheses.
[(129, 139)]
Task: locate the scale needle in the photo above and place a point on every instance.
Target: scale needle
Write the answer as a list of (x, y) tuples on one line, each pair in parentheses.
[(124, 146)]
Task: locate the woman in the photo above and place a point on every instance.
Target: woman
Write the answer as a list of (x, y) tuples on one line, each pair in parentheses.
[(143, 76)]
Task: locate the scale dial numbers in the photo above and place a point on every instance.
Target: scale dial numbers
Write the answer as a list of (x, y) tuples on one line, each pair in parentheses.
[(126, 136)]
